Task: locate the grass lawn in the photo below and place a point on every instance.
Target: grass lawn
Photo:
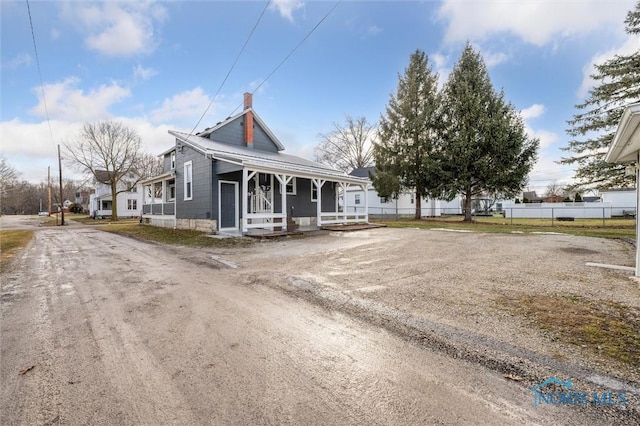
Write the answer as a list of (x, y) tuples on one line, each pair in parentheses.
[(11, 242), (613, 228), (602, 326), (183, 237)]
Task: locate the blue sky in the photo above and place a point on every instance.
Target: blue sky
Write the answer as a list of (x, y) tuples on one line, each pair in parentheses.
[(157, 65)]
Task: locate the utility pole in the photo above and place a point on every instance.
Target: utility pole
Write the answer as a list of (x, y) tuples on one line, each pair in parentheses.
[(61, 199), (49, 188)]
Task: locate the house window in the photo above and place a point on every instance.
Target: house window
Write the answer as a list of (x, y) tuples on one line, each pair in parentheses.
[(173, 160), (132, 204), (314, 192), (357, 198), (157, 190), (171, 190), (291, 187), (133, 189), (384, 200), (188, 180)]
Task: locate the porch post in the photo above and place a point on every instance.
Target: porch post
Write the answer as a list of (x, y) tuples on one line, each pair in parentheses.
[(283, 180), (344, 187), (164, 196), (318, 183), (243, 201), (366, 202)]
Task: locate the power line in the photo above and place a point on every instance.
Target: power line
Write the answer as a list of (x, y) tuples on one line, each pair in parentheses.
[(35, 48), (232, 67), (286, 58)]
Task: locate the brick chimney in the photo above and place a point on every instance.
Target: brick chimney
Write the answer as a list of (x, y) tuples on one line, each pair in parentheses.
[(248, 120)]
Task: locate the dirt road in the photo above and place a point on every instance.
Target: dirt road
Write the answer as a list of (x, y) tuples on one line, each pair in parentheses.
[(109, 330)]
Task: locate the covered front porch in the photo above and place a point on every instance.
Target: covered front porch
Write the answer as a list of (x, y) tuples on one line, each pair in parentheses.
[(277, 196), (262, 211), (159, 200)]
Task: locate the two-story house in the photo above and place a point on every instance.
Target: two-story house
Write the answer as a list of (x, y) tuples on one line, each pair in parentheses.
[(129, 198), (234, 178)]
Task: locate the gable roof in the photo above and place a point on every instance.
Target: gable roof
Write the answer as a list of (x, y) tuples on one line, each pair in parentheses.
[(209, 130), (264, 160), (364, 172)]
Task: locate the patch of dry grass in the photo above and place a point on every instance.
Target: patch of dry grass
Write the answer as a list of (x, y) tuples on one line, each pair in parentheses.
[(600, 326), (11, 242), (173, 236)]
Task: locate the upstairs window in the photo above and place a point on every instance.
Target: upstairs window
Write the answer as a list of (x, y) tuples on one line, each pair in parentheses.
[(188, 180), (173, 160)]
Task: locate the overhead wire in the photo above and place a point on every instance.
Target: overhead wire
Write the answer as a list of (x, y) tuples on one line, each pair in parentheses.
[(286, 58), (231, 68), (35, 48)]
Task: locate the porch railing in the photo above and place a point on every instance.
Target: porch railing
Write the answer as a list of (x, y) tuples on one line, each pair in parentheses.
[(260, 202), (159, 209), (330, 218)]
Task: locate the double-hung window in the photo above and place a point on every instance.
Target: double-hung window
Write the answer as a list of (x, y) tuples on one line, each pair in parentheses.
[(188, 180)]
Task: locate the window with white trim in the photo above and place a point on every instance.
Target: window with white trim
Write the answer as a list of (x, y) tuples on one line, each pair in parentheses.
[(173, 160), (132, 204), (171, 190), (188, 180), (314, 192), (357, 198), (291, 187)]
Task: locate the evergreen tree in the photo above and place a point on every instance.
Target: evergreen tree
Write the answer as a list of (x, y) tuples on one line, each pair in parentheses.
[(404, 152), (594, 126), (485, 148)]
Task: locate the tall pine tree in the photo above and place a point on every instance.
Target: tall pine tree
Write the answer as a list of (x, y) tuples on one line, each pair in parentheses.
[(484, 147), (408, 135), (594, 126)]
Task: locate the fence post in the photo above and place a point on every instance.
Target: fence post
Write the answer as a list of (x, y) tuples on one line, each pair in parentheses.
[(552, 217), (511, 215)]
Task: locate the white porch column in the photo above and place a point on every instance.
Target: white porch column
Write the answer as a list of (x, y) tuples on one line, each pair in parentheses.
[(344, 187), (164, 196), (637, 217), (318, 183), (366, 202), (283, 180), (244, 201)]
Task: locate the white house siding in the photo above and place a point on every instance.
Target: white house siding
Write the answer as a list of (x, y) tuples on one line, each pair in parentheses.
[(129, 203), (403, 206), (548, 210), (622, 201)]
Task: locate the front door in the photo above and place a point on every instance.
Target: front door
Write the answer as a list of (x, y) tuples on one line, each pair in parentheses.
[(228, 205)]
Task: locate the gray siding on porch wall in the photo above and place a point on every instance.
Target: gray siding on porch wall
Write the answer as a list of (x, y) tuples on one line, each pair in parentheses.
[(301, 202), (232, 133), (201, 205)]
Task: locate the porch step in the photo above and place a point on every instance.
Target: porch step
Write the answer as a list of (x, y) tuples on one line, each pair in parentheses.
[(291, 224)]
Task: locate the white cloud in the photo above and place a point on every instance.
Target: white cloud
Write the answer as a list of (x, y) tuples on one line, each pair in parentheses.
[(373, 30), (117, 28), (535, 22), (141, 73), (535, 110), (630, 46), (18, 61), (185, 106), (491, 59), (546, 138), (286, 7), (64, 100)]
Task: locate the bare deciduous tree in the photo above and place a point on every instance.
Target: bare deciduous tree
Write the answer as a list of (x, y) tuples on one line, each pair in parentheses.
[(110, 152), (149, 165), (347, 146), (8, 173), (554, 189)]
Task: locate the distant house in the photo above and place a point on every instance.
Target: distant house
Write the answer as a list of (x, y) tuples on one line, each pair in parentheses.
[(531, 197), (623, 200), (404, 205), (553, 199), (234, 178), (129, 200)]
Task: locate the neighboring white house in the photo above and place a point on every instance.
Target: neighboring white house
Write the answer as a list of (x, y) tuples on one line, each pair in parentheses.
[(623, 201), (100, 202), (404, 205)]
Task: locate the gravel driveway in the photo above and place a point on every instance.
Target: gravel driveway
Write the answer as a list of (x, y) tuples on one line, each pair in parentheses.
[(372, 327)]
